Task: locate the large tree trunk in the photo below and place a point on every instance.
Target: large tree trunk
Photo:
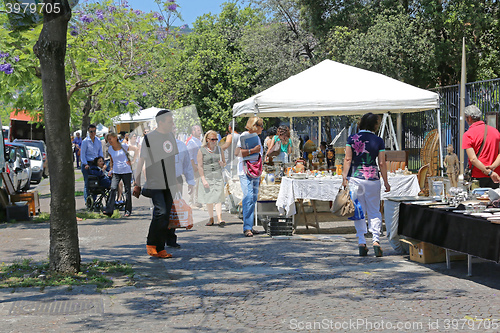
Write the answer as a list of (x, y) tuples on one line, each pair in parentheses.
[(64, 255)]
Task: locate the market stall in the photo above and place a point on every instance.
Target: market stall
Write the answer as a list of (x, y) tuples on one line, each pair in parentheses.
[(476, 234), (332, 88)]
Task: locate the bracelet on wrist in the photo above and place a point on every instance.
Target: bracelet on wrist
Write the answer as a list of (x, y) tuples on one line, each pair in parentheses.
[(490, 173)]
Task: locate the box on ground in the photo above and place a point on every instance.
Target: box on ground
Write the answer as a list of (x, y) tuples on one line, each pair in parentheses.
[(19, 212), (425, 253), (280, 226)]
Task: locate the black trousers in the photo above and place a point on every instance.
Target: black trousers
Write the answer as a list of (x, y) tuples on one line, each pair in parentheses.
[(487, 182), (126, 178), (158, 229)]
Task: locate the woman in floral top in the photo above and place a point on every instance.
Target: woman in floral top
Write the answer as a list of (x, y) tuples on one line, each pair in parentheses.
[(360, 169)]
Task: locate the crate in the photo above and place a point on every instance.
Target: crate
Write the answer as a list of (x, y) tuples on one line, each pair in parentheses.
[(425, 253), (18, 212), (280, 226)]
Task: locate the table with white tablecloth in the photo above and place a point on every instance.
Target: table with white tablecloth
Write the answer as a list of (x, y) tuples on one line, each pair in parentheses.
[(326, 189)]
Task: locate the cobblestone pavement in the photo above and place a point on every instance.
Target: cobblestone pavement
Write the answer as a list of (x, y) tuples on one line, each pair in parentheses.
[(220, 281)]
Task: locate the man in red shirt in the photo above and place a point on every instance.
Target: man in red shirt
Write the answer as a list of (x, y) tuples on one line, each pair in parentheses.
[(485, 167)]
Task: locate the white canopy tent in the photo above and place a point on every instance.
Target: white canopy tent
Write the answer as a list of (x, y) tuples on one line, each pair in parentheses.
[(142, 116), (331, 88)]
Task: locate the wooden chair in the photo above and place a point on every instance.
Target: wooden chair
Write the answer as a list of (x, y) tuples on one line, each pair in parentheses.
[(422, 174), (396, 159), (31, 197)]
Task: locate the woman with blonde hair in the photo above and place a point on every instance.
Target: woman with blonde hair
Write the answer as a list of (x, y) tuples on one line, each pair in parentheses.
[(249, 185), (211, 188), (120, 168)]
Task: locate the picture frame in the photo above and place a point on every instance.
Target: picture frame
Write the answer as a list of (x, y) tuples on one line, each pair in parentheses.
[(7, 182)]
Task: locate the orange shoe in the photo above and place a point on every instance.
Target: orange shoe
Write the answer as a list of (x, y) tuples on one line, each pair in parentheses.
[(151, 250), (163, 254)]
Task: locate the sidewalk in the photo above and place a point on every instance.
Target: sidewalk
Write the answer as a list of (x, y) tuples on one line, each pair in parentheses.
[(220, 281)]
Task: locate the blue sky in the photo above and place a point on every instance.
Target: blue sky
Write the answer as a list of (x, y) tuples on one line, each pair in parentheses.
[(189, 9)]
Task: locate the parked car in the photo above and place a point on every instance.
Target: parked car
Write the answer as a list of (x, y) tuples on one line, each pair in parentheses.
[(17, 166), (40, 145), (36, 161)]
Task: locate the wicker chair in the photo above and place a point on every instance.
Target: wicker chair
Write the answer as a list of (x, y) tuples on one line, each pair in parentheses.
[(423, 172)]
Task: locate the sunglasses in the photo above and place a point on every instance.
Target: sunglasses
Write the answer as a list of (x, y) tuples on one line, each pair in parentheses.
[(212, 139), (91, 131)]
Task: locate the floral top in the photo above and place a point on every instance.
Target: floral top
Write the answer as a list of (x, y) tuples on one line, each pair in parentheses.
[(365, 148)]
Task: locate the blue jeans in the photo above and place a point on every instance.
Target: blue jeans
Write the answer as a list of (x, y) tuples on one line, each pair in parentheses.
[(250, 188), (85, 173), (158, 229)]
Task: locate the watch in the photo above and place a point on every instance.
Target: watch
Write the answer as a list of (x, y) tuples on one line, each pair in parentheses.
[(249, 151), (489, 173)]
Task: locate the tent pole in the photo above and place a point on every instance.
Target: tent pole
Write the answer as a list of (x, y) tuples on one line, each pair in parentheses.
[(439, 142), (462, 108), (399, 129), (319, 130)]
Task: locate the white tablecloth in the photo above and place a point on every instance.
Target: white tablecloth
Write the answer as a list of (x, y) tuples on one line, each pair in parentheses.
[(326, 190)]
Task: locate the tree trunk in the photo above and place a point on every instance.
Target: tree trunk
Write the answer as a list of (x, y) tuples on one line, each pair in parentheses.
[(64, 253), (86, 114)]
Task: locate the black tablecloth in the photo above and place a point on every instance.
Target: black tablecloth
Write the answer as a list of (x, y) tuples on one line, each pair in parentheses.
[(472, 235)]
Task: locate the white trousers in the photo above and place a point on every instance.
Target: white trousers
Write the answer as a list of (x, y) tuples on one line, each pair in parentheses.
[(369, 196)]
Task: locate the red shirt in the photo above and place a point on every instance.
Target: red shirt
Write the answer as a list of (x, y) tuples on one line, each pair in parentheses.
[(473, 138)]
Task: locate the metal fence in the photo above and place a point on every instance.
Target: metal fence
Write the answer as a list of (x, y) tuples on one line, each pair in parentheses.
[(417, 126)]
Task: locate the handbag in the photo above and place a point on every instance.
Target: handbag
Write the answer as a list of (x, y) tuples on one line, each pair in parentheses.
[(181, 214), (342, 205), (275, 149), (253, 169), (468, 171)]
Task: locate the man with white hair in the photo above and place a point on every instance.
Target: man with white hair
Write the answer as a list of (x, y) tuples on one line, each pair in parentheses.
[(481, 143)]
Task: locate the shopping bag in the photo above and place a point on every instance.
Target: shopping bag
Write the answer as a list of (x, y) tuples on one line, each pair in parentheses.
[(181, 215), (253, 169), (343, 205)]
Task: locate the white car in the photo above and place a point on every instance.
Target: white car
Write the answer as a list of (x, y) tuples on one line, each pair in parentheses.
[(36, 160)]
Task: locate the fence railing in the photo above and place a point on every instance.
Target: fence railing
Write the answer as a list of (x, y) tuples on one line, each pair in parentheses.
[(416, 126)]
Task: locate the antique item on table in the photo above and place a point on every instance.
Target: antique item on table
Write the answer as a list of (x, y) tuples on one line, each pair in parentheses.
[(299, 166), (320, 157), (438, 188), (452, 166), (309, 148)]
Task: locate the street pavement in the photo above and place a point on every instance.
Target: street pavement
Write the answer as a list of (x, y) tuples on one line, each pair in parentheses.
[(221, 281)]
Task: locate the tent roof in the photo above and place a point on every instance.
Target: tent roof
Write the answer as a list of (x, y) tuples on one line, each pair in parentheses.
[(332, 88), (141, 116)]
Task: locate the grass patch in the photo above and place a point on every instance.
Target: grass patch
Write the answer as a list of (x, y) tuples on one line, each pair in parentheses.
[(42, 217), (79, 179), (27, 273), (84, 215), (78, 193)]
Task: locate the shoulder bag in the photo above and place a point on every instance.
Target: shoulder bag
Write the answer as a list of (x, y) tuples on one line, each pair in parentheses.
[(468, 171), (343, 206), (253, 169)]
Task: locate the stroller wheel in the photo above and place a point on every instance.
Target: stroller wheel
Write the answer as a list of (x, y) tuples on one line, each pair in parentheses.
[(89, 203)]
